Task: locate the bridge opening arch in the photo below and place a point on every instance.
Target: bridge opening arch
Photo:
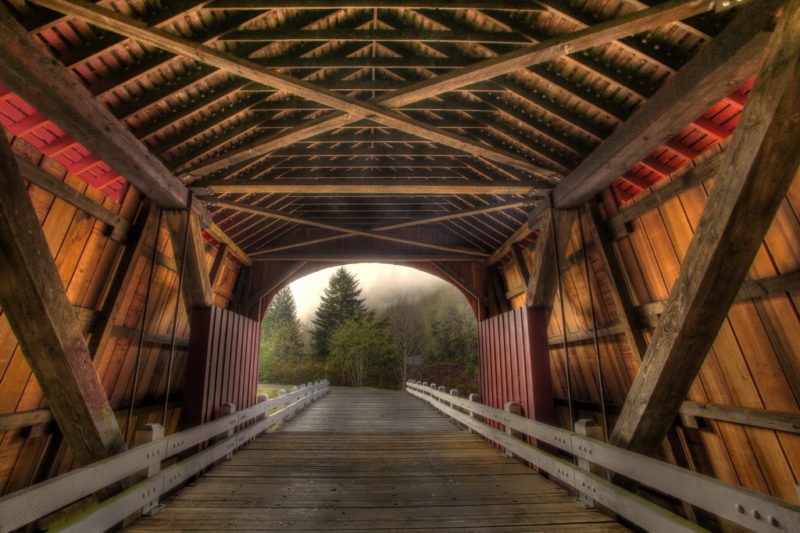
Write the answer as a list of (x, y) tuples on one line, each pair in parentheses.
[(421, 316)]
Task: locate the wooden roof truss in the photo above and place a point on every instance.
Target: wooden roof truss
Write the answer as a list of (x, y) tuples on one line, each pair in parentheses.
[(443, 120)]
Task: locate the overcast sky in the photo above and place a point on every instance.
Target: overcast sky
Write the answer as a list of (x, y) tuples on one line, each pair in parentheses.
[(380, 284)]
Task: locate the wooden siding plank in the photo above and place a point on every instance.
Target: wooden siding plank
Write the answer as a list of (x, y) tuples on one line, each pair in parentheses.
[(35, 303), (711, 273)]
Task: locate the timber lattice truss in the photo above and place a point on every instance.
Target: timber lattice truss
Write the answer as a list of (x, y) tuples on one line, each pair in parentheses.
[(421, 128)]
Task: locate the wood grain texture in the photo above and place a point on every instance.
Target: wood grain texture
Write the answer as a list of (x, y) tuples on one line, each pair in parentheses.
[(36, 75), (756, 174), (372, 460), (716, 70), (35, 303), (197, 289)]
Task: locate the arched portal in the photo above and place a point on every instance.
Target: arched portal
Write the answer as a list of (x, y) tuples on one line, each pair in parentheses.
[(430, 327), (269, 277)]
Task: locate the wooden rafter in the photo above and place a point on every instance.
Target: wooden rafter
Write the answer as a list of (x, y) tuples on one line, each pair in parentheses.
[(487, 69), (378, 186), (265, 212), (717, 70), (34, 74), (754, 176), (418, 222), (368, 4), (350, 107)]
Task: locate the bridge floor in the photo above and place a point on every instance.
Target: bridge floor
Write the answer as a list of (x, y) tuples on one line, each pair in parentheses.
[(372, 460)]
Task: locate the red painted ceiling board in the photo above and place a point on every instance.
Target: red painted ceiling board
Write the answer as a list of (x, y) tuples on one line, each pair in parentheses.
[(24, 121)]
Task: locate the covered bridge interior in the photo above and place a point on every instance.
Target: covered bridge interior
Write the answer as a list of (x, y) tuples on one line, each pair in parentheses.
[(609, 183)]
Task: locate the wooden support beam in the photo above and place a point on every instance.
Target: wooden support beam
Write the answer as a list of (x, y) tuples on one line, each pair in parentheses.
[(521, 232), (35, 303), (556, 228), (760, 418), (620, 294), (364, 257), (149, 337), (754, 176), (428, 220), (350, 108), (757, 418), (750, 289), (196, 287), (716, 71), (509, 5), (489, 208), (369, 35), (519, 259), (497, 302), (657, 196), (483, 70), (61, 190), (377, 186), (221, 237), (271, 213), (34, 74), (40, 417), (585, 335), (120, 280), (216, 266)]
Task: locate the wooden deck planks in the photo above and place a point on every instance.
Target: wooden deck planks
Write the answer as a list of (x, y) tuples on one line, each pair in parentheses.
[(371, 460)]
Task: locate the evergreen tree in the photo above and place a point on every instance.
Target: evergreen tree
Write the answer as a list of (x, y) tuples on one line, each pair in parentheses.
[(281, 337), (340, 301)]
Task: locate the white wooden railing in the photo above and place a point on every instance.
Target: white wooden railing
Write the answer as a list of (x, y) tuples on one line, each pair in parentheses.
[(33, 503), (753, 510)]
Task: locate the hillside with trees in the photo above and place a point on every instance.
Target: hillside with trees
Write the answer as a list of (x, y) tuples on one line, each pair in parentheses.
[(430, 335)]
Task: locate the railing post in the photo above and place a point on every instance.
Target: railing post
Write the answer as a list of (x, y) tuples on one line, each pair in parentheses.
[(150, 433), (474, 397), (224, 410), (515, 409), (589, 428), (261, 398)]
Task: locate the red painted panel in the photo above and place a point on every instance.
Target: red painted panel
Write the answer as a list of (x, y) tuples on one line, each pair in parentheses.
[(223, 353), (515, 364)]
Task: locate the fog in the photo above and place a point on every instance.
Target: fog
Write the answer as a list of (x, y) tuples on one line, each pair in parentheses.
[(380, 285)]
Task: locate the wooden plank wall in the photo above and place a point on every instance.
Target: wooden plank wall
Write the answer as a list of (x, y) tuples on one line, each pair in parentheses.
[(85, 257), (505, 360), (223, 354), (756, 349)]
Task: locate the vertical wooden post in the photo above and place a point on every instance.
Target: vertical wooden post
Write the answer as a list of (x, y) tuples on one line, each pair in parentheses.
[(543, 407), (150, 433), (224, 410), (589, 428), (515, 409), (474, 397), (262, 398)]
